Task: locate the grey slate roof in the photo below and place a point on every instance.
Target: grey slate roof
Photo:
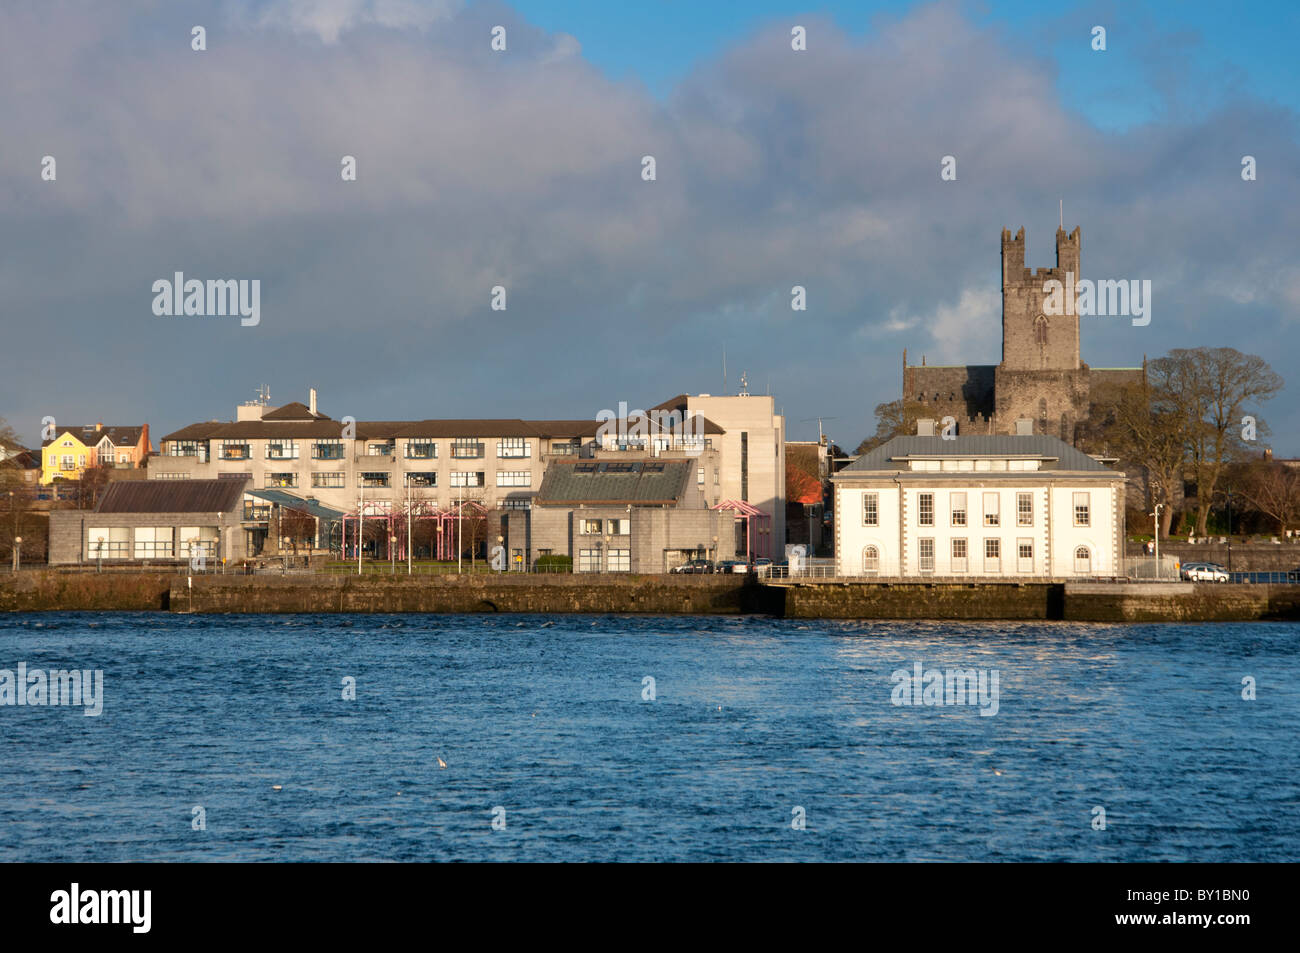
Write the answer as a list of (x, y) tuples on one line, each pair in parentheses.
[(292, 502), (640, 482), (171, 496), (1025, 445)]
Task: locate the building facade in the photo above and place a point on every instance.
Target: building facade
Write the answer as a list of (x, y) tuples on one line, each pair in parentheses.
[(75, 449), (1041, 377), (1006, 507)]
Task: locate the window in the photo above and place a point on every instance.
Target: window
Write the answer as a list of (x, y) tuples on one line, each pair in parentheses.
[(619, 527), (168, 475), (327, 450), (1082, 509), (514, 447), (589, 560), (870, 560), (380, 448), (619, 560), (1024, 509), (700, 477), (328, 480), (256, 511), (959, 555), (958, 503), (1082, 560), (925, 509), (281, 479), (590, 527), (514, 478), (69, 463), (871, 509), (234, 450), (81, 459), (197, 541), (187, 448), (564, 448), (108, 543), (1024, 555), (716, 481), (153, 542), (467, 478), (514, 504), (925, 551), (374, 479), (424, 478), (992, 510), (466, 448), (422, 448), (992, 556), (282, 450)]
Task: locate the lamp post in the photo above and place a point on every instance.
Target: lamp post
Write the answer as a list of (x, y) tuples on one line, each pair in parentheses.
[(501, 544), (1229, 529), (99, 556), (1156, 535), (18, 548), (361, 509)]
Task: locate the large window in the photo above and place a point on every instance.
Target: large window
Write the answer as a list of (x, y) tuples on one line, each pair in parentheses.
[(1024, 509), (589, 560), (466, 478), (509, 447), (109, 542), (959, 555), (327, 450), (282, 479), (870, 560), (925, 509), (153, 542), (380, 448), (198, 541), (421, 448), (958, 503), (235, 450), (992, 556), (1082, 509), (425, 478), (871, 509), (186, 448), (514, 478), (333, 481), (925, 550), (1024, 555), (992, 510), (591, 527), (620, 560), (374, 479), (618, 527), (466, 448), (282, 450)]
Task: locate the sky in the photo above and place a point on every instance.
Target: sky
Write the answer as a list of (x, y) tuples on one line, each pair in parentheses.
[(523, 168)]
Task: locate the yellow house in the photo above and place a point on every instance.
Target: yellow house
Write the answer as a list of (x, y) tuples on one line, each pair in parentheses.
[(69, 454)]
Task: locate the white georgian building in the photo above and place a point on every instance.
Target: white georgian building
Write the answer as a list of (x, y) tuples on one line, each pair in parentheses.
[(1003, 507)]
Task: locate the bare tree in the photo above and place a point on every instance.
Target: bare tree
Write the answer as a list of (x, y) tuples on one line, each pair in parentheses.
[(1274, 489), (1211, 388), (297, 527), (1146, 425)]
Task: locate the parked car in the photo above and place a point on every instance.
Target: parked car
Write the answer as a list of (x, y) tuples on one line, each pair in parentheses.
[(1203, 572), (733, 565), (696, 566)]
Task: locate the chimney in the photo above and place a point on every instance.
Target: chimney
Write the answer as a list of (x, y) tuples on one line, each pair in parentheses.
[(312, 401), (925, 427), (99, 425), (1024, 426)]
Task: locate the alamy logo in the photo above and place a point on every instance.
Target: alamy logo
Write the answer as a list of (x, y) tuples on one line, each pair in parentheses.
[(132, 907), (1109, 297), (55, 687), (951, 687), (655, 430), (213, 298)]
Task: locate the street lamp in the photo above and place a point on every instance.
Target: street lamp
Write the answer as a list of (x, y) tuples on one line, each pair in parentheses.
[(99, 556), (18, 548), (1156, 535), (1229, 529)]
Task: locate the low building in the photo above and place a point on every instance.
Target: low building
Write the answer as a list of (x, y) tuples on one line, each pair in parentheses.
[(1005, 507), (640, 516), (154, 521), (73, 450)]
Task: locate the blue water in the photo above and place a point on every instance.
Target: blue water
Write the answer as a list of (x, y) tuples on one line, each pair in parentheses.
[(753, 719)]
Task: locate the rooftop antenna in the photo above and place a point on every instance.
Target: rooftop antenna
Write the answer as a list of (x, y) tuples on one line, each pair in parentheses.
[(724, 370), (1063, 213), (819, 424), (744, 384), (264, 394)]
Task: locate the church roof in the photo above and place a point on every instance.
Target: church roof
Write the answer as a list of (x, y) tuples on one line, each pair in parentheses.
[(1055, 454)]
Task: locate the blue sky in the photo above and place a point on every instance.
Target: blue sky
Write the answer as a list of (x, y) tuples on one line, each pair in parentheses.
[(522, 169)]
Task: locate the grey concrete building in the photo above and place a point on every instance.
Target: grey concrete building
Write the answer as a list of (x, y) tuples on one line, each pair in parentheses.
[(640, 516), (152, 521)]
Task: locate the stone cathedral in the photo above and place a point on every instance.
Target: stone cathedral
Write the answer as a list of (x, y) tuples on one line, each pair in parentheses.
[(1041, 382)]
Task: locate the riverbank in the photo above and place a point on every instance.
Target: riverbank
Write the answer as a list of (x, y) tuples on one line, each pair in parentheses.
[(49, 590)]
